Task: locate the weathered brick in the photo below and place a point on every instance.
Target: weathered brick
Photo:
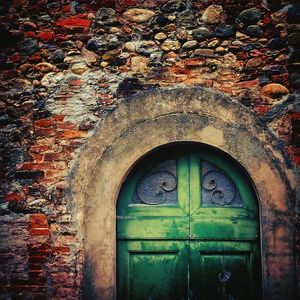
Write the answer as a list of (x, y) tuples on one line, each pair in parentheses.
[(14, 197), (38, 220), (44, 123), (71, 134)]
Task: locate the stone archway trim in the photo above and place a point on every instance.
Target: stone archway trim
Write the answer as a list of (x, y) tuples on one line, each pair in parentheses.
[(151, 120)]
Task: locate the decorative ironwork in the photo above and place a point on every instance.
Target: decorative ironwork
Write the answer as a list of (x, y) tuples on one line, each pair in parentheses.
[(218, 189), (159, 186), (155, 188)]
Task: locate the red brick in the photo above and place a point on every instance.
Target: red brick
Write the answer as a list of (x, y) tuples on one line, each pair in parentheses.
[(59, 118), (262, 109), (39, 149), (74, 21), (39, 231), (35, 58), (295, 115), (194, 62), (180, 70), (61, 249), (41, 132), (66, 8), (13, 197), (76, 82), (71, 134), (35, 266), (38, 221), (297, 151), (56, 156), (44, 123), (106, 99), (16, 58), (36, 274), (37, 259), (30, 34), (46, 35), (65, 126), (247, 84)]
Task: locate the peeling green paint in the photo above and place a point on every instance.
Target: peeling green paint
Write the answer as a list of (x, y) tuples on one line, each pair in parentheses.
[(178, 251)]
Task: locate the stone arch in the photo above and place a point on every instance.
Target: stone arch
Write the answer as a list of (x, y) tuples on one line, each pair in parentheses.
[(153, 119)]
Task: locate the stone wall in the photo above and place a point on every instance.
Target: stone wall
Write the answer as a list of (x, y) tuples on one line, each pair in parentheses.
[(66, 64)]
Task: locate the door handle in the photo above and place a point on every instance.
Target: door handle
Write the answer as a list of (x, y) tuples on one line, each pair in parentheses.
[(224, 278)]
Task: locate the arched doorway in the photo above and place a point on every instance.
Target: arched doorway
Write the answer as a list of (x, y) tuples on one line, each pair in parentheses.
[(188, 228), (149, 121)]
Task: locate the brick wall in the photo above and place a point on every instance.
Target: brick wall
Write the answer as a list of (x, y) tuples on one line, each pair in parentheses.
[(66, 63)]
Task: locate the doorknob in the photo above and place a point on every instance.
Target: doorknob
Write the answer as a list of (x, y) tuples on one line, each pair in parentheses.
[(224, 278)]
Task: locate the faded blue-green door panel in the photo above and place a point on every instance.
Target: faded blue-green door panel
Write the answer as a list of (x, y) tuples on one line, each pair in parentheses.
[(183, 219), (153, 270)]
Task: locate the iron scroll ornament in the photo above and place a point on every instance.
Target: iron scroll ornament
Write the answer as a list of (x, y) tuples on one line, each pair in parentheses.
[(156, 188), (220, 187)]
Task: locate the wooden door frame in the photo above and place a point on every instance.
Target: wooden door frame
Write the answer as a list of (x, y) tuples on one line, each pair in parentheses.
[(198, 115)]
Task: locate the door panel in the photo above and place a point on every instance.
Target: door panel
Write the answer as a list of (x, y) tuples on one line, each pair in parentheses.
[(152, 270), (222, 204), (214, 228), (153, 228), (153, 215), (208, 261)]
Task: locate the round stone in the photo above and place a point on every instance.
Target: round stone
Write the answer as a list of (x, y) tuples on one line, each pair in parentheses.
[(224, 31), (103, 64), (173, 6), (251, 15), (190, 44), (160, 36), (220, 50), (254, 62), (277, 44), (45, 67), (182, 34), (58, 56), (212, 14), (161, 20), (110, 55), (28, 46), (170, 45), (213, 43), (130, 47), (105, 16), (138, 15), (254, 31), (201, 33), (139, 64), (79, 68), (274, 90), (92, 45), (204, 52)]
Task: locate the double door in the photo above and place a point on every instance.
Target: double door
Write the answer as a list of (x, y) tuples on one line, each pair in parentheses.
[(187, 228)]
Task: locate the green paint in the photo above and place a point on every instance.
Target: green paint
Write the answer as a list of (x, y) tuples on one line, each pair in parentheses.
[(178, 251)]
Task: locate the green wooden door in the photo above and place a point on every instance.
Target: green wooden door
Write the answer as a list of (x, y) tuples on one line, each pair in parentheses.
[(187, 228)]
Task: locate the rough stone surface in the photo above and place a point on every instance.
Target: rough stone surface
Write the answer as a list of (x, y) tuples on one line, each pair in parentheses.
[(274, 90), (65, 66), (139, 15), (224, 31), (212, 14), (251, 15)]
